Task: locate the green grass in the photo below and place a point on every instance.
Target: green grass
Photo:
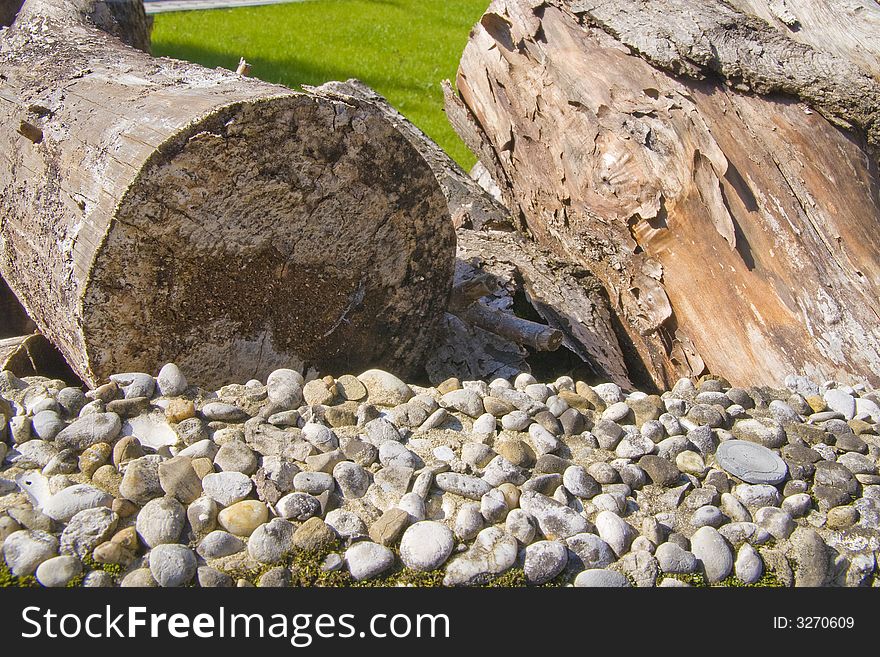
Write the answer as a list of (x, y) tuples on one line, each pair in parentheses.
[(401, 48)]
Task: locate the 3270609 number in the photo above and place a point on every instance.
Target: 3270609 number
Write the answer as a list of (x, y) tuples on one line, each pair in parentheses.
[(825, 622)]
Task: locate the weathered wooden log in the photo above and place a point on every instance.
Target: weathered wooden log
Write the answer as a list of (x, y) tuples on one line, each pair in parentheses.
[(487, 342), (154, 210), (718, 174)]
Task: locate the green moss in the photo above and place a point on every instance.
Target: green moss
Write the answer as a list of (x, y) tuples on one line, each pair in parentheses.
[(115, 570), (76, 582), (694, 579), (8, 580), (512, 578)]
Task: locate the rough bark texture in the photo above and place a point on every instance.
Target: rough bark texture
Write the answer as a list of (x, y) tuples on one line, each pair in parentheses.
[(154, 210), (733, 231), (565, 296)]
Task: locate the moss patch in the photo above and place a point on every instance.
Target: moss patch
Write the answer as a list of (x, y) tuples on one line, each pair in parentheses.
[(8, 580)]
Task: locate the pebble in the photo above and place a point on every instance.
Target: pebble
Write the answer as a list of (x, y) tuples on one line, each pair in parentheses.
[(751, 462), (202, 515), (26, 549), (615, 531), (178, 478), (492, 552), (88, 529), (601, 578), (672, 558), (172, 565), (236, 456), (242, 518), (298, 506), (464, 485), (89, 430), (135, 384), (762, 431), (171, 381), (347, 525), (314, 535), (778, 522), (140, 482), (749, 567), (579, 483), (840, 402), (426, 545), (218, 544), (220, 412), (45, 425), (543, 561), (661, 471), (707, 516), (555, 520), (388, 529), (161, 521), (227, 487), (367, 560), (464, 401), (271, 542), (66, 504), (757, 495), (710, 548), (58, 571), (385, 389), (516, 421)]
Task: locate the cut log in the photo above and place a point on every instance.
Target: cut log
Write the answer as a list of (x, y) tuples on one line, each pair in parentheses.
[(154, 210), (718, 174), (487, 341)]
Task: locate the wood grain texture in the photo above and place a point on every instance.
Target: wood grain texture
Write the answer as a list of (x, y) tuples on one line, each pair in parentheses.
[(167, 212), (734, 231)]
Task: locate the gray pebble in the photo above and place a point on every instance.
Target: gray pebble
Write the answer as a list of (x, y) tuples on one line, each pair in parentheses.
[(172, 565)]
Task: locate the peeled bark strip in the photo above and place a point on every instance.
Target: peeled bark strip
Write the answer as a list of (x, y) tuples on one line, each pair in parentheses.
[(154, 210), (733, 231)]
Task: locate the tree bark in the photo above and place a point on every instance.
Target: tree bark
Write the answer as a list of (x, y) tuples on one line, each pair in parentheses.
[(487, 339), (154, 210), (717, 172)]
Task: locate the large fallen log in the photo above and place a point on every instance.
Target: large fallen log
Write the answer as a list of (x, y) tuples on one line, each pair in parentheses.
[(483, 337), (154, 210), (717, 172)]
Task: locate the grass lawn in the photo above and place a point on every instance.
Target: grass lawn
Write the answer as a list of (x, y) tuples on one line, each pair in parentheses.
[(401, 48)]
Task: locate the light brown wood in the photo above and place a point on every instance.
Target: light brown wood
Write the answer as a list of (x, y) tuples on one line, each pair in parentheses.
[(174, 213), (735, 232)]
